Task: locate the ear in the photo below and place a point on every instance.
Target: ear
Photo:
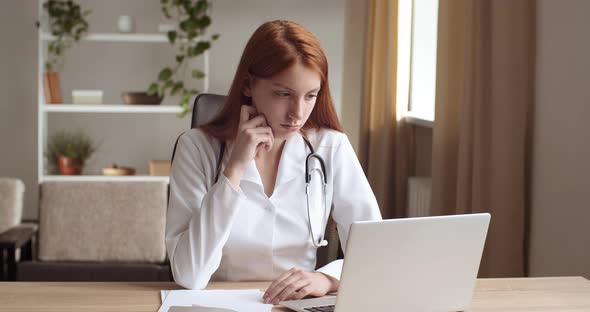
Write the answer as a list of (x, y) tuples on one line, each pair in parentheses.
[(247, 87)]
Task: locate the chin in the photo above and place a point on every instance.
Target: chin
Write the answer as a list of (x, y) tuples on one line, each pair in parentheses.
[(283, 135)]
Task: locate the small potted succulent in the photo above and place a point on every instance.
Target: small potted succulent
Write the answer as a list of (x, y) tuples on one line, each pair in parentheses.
[(67, 24), (67, 152)]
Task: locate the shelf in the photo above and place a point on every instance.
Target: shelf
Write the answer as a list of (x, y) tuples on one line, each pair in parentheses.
[(100, 178), (116, 37), (110, 108)]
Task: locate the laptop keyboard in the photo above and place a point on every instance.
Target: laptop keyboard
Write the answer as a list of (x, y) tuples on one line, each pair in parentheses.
[(327, 308)]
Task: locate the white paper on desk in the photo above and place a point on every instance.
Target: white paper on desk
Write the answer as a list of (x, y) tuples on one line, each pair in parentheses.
[(243, 300), (163, 294)]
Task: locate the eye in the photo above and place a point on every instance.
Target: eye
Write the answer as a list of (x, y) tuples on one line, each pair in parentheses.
[(311, 96), (282, 93)]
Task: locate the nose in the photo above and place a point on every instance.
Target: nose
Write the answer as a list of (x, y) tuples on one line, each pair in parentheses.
[(296, 108)]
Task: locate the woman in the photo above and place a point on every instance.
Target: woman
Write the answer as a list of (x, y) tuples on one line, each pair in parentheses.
[(238, 207)]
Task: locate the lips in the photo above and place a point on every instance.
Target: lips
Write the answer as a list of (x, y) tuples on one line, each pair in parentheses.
[(291, 127)]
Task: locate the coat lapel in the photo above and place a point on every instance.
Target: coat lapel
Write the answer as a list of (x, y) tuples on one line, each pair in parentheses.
[(292, 163)]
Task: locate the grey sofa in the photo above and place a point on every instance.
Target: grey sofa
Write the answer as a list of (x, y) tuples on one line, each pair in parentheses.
[(100, 231)]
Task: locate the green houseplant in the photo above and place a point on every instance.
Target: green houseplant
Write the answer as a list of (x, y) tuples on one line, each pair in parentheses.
[(189, 39), (67, 25), (67, 152)]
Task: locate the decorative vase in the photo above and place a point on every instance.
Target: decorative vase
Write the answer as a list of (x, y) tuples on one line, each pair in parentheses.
[(68, 166), (125, 24), (52, 88)]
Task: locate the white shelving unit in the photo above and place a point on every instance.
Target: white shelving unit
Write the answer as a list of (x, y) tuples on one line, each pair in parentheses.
[(110, 108), (114, 108), (115, 37), (62, 178)]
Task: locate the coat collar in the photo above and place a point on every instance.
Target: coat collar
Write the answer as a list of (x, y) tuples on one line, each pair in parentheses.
[(291, 164)]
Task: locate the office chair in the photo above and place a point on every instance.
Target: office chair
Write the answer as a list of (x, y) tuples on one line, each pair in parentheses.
[(206, 106)]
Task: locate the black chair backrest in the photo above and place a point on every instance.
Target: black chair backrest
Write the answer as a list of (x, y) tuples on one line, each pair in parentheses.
[(205, 107)]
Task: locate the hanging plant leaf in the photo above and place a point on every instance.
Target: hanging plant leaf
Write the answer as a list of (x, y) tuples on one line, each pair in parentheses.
[(204, 21), (203, 45), (166, 12), (171, 36), (177, 87), (197, 74), (153, 89), (165, 74), (67, 24), (201, 6), (192, 21)]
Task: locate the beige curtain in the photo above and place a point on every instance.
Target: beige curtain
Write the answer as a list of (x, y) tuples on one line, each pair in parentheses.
[(481, 136), (381, 135)]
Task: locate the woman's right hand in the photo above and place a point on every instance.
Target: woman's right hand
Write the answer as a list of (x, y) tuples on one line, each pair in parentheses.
[(253, 134)]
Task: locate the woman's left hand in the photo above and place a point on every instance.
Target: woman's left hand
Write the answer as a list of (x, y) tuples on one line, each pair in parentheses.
[(297, 284)]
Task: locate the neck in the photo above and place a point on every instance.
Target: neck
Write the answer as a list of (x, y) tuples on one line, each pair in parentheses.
[(276, 149)]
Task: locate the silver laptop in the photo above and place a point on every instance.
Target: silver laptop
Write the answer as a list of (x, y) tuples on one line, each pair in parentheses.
[(413, 264)]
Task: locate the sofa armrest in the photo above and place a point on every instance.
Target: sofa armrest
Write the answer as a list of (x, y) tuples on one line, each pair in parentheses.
[(17, 236), (20, 237)]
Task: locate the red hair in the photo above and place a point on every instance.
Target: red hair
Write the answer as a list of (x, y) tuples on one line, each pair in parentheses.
[(274, 47)]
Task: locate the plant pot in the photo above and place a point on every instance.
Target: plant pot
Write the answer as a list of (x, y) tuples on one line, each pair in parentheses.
[(52, 88), (141, 98), (69, 166)]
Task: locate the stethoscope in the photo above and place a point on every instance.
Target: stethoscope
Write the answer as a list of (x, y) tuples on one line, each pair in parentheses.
[(308, 173)]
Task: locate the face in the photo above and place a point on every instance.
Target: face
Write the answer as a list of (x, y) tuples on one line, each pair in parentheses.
[(287, 99)]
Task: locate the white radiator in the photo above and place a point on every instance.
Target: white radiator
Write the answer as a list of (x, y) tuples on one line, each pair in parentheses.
[(419, 190)]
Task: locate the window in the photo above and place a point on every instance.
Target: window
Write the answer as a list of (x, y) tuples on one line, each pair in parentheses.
[(416, 76)]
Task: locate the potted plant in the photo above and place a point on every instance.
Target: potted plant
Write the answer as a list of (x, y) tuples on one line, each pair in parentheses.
[(189, 39), (67, 24), (67, 152)]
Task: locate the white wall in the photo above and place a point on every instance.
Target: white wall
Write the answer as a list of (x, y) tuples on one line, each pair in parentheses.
[(18, 97), (560, 226), (116, 67)]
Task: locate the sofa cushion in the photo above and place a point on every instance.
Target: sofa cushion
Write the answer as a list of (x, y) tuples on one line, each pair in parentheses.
[(102, 221)]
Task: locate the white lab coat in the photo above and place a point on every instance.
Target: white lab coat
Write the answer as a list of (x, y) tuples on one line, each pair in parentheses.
[(215, 232)]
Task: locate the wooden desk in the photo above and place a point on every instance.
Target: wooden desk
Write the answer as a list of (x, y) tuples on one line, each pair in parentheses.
[(520, 294)]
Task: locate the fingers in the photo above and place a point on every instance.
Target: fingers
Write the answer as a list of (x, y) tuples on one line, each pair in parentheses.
[(263, 140), (246, 111), (279, 285), (260, 135), (273, 285), (255, 126), (258, 121), (256, 134), (292, 289), (246, 119), (302, 293)]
